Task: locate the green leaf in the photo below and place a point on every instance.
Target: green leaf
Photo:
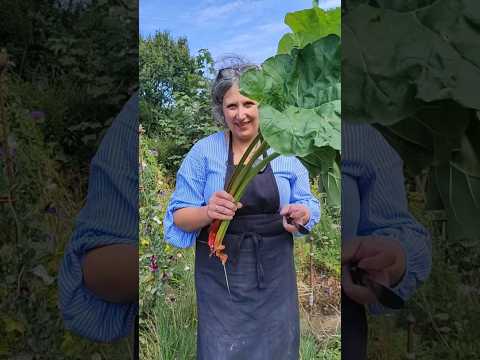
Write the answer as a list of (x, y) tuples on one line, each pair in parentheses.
[(331, 183), (308, 26), (288, 42), (268, 84), (299, 96), (457, 181), (413, 69), (402, 60), (315, 78), (320, 160), (13, 325), (460, 194), (300, 132)]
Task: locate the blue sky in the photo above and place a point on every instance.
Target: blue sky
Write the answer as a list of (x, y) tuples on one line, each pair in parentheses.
[(248, 28)]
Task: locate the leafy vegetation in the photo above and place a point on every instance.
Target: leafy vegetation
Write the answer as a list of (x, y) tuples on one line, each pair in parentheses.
[(308, 26), (441, 328), (416, 65), (174, 96), (81, 63), (299, 95), (69, 72)]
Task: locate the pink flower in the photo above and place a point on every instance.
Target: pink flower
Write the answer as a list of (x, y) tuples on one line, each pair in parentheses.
[(37, 114), (153, 264), (50, 209)]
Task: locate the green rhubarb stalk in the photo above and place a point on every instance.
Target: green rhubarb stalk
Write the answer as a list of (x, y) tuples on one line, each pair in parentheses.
[(235, 182), (215, 225), (239, 172), (252, 173), (240, 190), (245, 169), (242, 161)]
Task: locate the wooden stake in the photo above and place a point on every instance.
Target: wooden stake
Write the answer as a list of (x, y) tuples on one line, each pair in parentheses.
[(4, 126), (310, 299), (410, 340)]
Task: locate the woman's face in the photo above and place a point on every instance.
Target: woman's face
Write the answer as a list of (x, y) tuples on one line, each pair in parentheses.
[(241, 115)]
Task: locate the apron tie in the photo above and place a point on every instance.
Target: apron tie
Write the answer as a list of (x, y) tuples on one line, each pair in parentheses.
[(258, 245)]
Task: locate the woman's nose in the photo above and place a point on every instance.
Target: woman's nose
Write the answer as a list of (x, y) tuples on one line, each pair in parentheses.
[(241, 113)]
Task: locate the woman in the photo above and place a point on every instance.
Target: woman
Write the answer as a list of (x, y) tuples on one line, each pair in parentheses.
[(256, 315), (378, 232)]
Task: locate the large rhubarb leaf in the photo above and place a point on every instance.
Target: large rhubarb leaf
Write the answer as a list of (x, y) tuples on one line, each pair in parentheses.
[(299, 96), (308, 26), (395, 62), (413, 69)]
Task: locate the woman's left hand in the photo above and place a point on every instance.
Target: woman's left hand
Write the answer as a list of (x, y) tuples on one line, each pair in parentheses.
[(382, 258), (298, 212)]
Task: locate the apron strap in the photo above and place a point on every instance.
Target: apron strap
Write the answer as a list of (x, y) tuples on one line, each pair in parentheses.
[(235, 245), (258, 242), (354, 328), (136, 348), (230, 151)]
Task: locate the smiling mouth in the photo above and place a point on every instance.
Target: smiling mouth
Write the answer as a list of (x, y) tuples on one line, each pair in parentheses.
[(242, 124)]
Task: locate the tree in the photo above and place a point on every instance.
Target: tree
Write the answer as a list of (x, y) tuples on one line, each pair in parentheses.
[(166, 67), (174, 95)]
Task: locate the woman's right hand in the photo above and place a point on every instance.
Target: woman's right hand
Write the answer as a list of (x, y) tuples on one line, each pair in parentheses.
[(222, 206)]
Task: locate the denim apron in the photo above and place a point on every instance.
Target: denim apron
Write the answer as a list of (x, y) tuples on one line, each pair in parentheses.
[(354, 327), (260, 319)]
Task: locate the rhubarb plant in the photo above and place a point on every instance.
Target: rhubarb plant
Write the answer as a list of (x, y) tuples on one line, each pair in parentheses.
[(298, 92), (412, 69)]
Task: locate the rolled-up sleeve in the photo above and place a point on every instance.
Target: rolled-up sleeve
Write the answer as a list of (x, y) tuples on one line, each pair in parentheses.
[(110, 216), (384, 212), (301, 193), (189, 192)]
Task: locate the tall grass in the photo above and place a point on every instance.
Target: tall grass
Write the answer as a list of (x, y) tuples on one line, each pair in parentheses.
[(311, 349), (169, 330)]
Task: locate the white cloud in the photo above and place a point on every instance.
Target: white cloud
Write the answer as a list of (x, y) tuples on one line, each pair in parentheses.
[(328, 4), (234, 12), (216, 12), (255, 45)]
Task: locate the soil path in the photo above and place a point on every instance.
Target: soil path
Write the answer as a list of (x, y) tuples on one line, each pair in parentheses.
[(324, 316)]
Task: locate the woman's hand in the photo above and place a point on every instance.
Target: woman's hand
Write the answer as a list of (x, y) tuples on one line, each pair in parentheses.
[(111, 272), (298, 212), (382, 258), (222, 206)]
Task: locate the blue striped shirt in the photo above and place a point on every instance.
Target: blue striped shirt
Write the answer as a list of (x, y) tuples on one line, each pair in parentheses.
[(374, 202), (203, 170), (110, 216)]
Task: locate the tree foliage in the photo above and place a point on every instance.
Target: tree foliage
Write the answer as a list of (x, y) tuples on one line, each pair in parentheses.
[(71, 70), (174, 96), (77, 64), (166, 67)]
